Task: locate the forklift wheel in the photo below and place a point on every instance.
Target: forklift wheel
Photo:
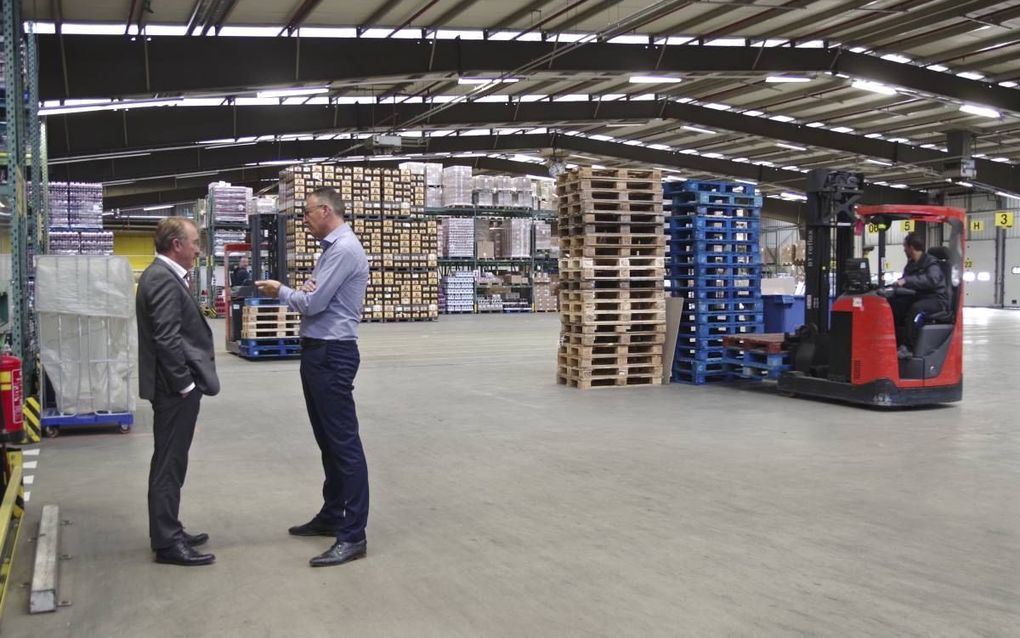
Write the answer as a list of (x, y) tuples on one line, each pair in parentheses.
[(125, 428), (51, 431)]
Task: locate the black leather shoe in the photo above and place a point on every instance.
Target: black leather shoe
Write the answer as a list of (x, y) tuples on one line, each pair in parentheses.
[(340, 553), (180, 553), (196, 539), (314, 527)]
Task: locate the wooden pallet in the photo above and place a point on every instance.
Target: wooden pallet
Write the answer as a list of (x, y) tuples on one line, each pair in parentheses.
[(645, 208), (646, 326), (584, 228), (608, 294), (573, 193), (563, 377), (590, 172), (611, 350), (771, 343), (614, 339), (610, 284)]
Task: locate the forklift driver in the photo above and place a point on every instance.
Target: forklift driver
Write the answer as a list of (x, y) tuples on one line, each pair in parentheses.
[(925, 276)]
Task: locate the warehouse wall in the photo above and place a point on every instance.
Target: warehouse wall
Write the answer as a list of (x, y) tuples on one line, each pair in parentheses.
[(136, 246)]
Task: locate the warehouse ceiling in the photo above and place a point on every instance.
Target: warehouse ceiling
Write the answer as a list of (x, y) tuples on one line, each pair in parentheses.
[(759, 90)]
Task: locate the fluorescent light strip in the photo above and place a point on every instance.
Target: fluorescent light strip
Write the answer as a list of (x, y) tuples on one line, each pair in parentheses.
[(162, 207), (791, 146), (291, 92), (779, 79), (654, 79), (879, 162), (699, 130), (983, 111), (874, 87)]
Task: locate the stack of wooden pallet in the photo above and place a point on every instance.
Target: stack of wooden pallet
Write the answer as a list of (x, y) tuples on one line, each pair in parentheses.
[(269, 321), (612, 254)]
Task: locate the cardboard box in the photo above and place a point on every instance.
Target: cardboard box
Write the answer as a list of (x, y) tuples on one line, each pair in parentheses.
[(485, 250)]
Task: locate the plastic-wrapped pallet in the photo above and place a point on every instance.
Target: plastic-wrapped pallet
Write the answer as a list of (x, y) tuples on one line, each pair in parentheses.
[(546, 195), (517, 238), (459, 291), (504, 191), (484, 185), (87, 333), (76, 204), (457, 186), (459, 237), (523, 193), (228, 203), (265, 205), (544, 244)]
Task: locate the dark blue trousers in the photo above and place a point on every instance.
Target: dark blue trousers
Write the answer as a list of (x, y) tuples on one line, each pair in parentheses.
[(327, 376)]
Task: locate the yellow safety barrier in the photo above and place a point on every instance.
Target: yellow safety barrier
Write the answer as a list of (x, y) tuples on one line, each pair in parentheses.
[(33, 420), (12, 511)]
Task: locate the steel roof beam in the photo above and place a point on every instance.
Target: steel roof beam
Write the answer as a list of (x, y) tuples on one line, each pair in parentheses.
[(143, 129), (180, 65)]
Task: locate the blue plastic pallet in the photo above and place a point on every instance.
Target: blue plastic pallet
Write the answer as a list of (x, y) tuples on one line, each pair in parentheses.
[(714, 259), (709, 186), (267, 352), (716, 294), (715, 199), (678, 271), (719, 330), (700, 343), (750, 364), (693, 378), (680, 235), (707, 318), (700, 354), (699, 367), (718, 223), (52, 418), (262, 301), (749, 246), (271, 341), (713, 211)]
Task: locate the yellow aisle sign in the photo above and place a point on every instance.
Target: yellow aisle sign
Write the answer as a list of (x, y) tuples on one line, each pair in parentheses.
[(977, 225), (1003, 220), (908, 226)]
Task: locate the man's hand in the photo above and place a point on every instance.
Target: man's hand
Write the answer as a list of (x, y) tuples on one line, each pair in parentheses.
[(309, 286), (900, 282), (269, 287)]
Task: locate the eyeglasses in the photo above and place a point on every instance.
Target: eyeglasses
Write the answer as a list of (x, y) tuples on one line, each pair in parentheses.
[(307, 209)]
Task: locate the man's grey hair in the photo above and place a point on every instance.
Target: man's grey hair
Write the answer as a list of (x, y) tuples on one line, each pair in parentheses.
[(331, 198), (169, 229)]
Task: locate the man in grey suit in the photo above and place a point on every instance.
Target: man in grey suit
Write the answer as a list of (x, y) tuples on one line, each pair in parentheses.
[(176, 367)]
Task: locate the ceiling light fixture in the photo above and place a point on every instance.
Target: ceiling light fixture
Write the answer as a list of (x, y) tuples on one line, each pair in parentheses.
[(791, 146), (161, 207), (487, 80), (779, 79), (699, 130), (879, 162), (874, 87), (654, 79), (292, 92), (983, 111)]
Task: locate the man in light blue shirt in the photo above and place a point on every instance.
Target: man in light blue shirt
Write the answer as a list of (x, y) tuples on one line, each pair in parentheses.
[(330, 305)]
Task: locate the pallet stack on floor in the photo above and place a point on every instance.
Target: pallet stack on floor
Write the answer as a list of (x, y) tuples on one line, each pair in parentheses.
[(715, 265), (268, 330), (385, 208), (612, 253)]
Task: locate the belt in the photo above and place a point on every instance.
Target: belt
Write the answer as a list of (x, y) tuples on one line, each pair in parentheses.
[(310, 343)]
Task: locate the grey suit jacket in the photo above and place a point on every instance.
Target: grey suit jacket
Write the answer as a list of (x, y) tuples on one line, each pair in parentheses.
[(175, 344)]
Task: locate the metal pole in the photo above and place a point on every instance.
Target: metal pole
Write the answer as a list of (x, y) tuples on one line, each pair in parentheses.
[(15, 187)]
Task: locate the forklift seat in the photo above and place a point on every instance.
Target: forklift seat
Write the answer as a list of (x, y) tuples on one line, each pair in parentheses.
[(946, 316)]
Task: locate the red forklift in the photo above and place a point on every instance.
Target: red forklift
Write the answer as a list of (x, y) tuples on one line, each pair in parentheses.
[(851, 354)]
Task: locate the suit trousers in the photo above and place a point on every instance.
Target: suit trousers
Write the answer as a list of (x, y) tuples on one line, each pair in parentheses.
[(173, 428), (327, 377)]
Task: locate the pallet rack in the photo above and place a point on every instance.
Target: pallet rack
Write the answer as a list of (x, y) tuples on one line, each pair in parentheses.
[(715, 265), (612, 307), (534, 269)]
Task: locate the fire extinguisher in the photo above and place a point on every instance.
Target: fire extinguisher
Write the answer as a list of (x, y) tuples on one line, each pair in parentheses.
[(11, 395)]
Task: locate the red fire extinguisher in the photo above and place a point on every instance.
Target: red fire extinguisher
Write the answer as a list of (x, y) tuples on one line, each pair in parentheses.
[(11, 395)]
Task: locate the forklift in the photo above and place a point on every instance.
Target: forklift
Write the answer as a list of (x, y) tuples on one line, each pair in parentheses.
[(267, 245), (851, 354)]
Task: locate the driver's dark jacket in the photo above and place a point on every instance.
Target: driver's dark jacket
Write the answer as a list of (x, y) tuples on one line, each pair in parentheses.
[(926, 277)]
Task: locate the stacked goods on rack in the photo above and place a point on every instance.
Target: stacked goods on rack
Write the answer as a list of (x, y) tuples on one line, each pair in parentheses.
[(75, 205), (76, 220), (385, 209), (484, 190), (715, 265), (458, 187), (545, 244), (222, 237), (458, 237), (228, 204), (457, 292), (544, 286), (612, 308)]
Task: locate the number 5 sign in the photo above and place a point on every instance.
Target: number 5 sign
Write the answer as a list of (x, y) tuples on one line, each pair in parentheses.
[(1003, 220)]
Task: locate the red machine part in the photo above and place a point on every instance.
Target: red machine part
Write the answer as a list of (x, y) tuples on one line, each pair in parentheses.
[(11, 394)]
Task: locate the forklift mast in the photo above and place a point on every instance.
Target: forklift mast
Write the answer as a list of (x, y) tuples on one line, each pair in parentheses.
[(832, 196)]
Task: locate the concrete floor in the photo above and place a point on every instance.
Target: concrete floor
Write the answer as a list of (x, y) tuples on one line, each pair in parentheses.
[(506, 505)]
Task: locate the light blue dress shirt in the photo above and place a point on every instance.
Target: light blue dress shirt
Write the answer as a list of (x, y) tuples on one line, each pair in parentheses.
[(333, 311)]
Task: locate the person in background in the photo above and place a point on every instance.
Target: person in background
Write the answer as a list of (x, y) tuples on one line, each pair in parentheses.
[(176, 366), (330, 306), (240, 276), (922, 274)]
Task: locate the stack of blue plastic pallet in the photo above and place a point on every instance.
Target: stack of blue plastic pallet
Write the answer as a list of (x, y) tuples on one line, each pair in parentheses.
[(715, 265)]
